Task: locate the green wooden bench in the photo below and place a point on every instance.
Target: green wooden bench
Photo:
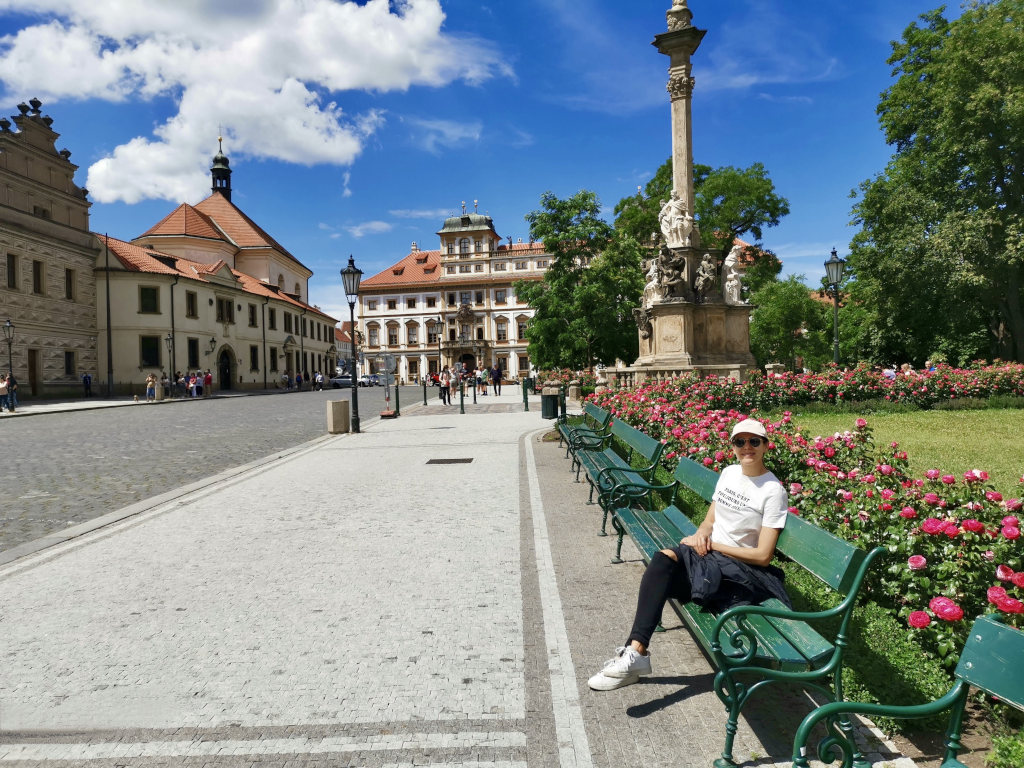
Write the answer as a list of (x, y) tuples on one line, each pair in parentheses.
[(606, 469), (990, 661), (753, 646), (588, 432)]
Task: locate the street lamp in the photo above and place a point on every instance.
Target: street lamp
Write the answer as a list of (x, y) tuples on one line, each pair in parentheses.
[(9, 338), (350, 276), (834, 276), (169, 341), (438, 323)]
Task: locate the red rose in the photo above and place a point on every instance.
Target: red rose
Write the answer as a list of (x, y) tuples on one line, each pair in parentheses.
[(1004, 572), (919, 619), (933, 525), (974, 526)]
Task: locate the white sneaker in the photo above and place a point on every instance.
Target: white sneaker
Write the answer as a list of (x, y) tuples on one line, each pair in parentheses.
[(625, 668)]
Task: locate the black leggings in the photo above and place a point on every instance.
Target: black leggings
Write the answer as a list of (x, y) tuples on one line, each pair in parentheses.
[(664, 578)]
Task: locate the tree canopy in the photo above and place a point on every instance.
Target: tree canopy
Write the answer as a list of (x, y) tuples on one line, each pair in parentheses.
[(938, 262)]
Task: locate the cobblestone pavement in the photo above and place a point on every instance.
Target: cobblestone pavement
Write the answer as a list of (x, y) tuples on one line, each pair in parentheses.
[(67, 467)]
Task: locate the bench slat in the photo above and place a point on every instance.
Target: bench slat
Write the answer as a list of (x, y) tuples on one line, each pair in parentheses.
[(828, 557), (696, 477)]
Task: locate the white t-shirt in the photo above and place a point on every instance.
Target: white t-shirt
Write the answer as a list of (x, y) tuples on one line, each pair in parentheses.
[(744, 505)]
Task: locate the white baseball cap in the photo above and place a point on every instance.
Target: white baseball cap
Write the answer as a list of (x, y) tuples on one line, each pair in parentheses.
[(750, 427)]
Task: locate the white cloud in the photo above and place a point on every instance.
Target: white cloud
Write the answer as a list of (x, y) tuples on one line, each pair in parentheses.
[(368, 228), (262, 69), (346, 177), (422, 213), (432, 135)]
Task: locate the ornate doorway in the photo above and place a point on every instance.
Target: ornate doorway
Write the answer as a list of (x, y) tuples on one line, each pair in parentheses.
[(224, 365)]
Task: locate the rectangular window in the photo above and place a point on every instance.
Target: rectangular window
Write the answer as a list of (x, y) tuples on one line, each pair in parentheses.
[(521, 265), (521, 330), (451, 299), (500, 266), (371, 306), (149, 300), (463, 268), (392, 336), (431, 302), (149, 351), (480, 332), (413, 332), (449, 270), (69, 363), (392, 304), (287, 322), (252, 316), (69, 284), (374, 337), (272, 319), (479, 297), (193, 353), (37, 278), (478, 267), (273, 358), (410, 303), (502, 329), (500, 296), (304, 334), (225, 311), (191, 304), (12, 271), (254, 357), (432, 331), (524, 363), (465, 297), (542, 263)]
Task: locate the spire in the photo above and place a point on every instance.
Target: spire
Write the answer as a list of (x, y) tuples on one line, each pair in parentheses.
[(220, 171)]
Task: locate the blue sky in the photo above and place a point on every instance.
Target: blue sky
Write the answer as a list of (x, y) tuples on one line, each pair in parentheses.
[(357, 127)]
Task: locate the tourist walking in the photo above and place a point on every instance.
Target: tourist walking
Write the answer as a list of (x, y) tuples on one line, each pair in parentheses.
[(725, 563), (87, 384), (444, 381), (496, 378), (151, 388), (208, 384), (5, 404)]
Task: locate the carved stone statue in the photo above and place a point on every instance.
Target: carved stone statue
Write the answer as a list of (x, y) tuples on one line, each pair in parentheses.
[(676, 222), (465, 313), (642, 316), (672, 267), (679, 16), (652, 289), (732, 285), (707, 276)]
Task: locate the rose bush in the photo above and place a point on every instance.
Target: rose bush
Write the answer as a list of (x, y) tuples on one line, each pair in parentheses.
[(952, 539)]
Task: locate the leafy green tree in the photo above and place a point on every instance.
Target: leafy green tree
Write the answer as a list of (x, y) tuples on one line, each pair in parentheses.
[(938, 261), (787, 323), (584, 305)]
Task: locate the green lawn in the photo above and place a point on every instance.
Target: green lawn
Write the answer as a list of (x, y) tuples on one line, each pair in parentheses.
[(952, 441)]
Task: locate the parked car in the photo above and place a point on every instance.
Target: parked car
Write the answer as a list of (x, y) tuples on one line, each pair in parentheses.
[(341, 382), (365, 380), (376, 380)]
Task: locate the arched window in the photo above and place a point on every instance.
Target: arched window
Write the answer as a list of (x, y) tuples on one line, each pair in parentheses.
[(372, 335), (280, 281), (298, 292)]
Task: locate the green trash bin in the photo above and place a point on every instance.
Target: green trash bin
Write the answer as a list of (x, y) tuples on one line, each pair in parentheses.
[(549, 406)]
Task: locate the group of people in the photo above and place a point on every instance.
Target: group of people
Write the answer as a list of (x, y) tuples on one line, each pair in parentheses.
[(8, 392), (196, 383), (449, 378), (296, 380)]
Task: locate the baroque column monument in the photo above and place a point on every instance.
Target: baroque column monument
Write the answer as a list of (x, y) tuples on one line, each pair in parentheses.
[(692, 316)]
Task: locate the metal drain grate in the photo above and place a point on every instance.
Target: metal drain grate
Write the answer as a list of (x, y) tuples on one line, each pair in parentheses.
[(449, 461)]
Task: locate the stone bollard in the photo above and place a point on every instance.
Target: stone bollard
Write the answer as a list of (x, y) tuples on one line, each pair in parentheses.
[(338, 421), (575, 390)]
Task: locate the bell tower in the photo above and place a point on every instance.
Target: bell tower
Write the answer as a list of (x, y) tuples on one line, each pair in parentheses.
[(220, 171)]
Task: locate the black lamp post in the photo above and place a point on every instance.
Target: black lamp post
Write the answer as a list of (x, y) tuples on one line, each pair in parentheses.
[(438, 323), (169, 341), (351, 276), (9, 338), (834, 276)]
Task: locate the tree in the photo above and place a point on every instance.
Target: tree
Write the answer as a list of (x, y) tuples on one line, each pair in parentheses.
[(584, 305), (938, 261), (788, 322)]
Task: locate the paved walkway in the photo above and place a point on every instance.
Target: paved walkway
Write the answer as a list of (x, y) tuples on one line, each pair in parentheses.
[(444, 609)]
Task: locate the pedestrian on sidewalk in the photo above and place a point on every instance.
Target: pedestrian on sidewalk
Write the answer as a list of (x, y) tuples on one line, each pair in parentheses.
[(725, 563), (445, 380), (5, 404), (199, 382), (151, 388), (87, 384), (496, 378), (192, 385), (12, 392), (208, 384)]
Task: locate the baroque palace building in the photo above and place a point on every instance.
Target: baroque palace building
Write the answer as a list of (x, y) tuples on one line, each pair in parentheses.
[(207, 288), (48, 290), (455, 305)]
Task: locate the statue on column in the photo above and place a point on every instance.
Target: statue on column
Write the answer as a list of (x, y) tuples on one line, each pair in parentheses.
[(672, 269), (707, 276), (676, 222), (732, 278), (652, 289), (679, 16)]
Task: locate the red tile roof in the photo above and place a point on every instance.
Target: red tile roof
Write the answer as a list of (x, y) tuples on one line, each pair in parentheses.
[(239, 228), (186, 220), (137, 259), (408, 271)]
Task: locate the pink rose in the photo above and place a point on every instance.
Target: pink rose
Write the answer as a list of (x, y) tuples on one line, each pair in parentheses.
[(933, 525), (846, 495), (885, 469), (931, 498), (989, 555), (885, 506), (948, 479), (1010, 605), (868, 478), (908, 512), (994, 496), (951, 530), (1011, 532), (932, 474), (919, 619), (1018, 579), (1004, 572), (795, 488), (794, 511), (1013, 505), (974, 526), (995, 594), (917, 562), (888, 493), (1011, 520), (861, 423), (946, 609)]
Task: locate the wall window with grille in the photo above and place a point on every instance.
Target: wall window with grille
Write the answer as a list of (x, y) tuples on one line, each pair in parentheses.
[(149, 351), (193, 353), (149, 300), (69, 284), (254, 357), (501, 329), (273, 358), (69, 363), (252, 316), (38, 278), (12, 271), (191, 304)]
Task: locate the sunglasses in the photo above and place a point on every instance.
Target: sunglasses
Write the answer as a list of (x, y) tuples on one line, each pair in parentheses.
[(755, 442)]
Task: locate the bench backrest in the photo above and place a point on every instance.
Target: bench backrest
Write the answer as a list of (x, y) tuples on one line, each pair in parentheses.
[(637, 441), (831, 559), (991, 660), (598, 415)]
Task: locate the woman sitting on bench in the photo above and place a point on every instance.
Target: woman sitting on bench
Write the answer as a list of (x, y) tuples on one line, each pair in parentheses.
[(725, 563)]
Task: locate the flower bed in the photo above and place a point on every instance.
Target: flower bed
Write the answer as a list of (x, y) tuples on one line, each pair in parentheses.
[(955, 543), (565, 375)]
